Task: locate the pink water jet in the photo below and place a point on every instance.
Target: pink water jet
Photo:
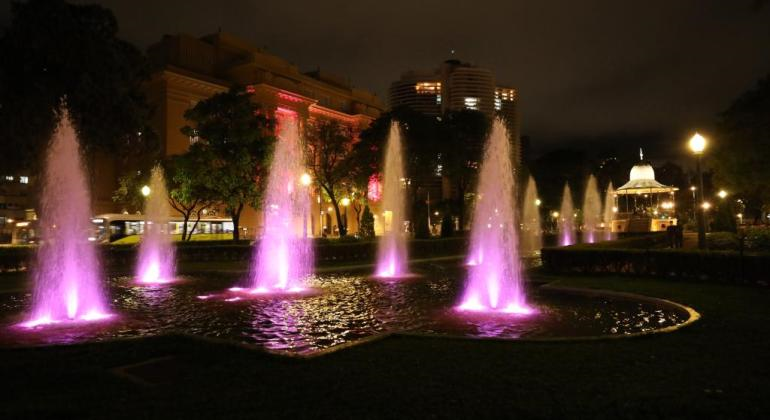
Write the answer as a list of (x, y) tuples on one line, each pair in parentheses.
[(494, 282), (566, 219), (391, 248), (592, 209), (66, 275), (156, 251), (283, 261)]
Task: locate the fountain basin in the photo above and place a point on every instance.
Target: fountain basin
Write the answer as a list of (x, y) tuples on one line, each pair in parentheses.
[(345, 308)]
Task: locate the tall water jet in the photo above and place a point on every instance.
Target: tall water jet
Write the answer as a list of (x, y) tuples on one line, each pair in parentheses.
[(592, 209), (494, 282), (283, 260), (156, 251), (67, 275), (609, 212), (391, 249), (566, 218), (531, 230)]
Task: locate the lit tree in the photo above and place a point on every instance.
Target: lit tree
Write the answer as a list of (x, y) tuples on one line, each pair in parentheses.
[(328, 150), (236, 140)]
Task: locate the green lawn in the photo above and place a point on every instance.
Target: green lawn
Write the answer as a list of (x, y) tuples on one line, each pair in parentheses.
[(134, 239), (715, 368)]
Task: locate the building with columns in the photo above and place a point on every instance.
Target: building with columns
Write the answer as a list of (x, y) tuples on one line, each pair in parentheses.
[(192, 69)]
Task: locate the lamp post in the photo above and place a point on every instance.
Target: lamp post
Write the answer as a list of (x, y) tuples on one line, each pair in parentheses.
[(697, 145), (345, 203)]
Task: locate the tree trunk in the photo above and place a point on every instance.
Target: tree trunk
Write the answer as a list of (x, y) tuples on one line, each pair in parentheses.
[(236, 216), (197, 219)]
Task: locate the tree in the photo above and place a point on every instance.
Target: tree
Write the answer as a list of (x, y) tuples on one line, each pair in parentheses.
[(366, 226), (742, 148), (189, 179), (55, 53), (328, 154), (464, 134), (129, 193), (237, 140)]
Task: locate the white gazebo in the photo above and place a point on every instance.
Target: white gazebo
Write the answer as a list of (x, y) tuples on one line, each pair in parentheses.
[(644, 204)]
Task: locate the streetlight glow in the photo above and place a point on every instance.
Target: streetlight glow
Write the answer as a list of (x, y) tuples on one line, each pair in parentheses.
[(706, 205), (305, 179), (538, 202), (722, 194), (146, 190), (345, 202), (697, 144), (555, 214)]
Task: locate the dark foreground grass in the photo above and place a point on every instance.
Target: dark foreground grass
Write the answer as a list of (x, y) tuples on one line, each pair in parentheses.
[(717, 367)]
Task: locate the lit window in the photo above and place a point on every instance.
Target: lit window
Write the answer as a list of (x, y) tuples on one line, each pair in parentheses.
[(498, 104), (472, 103), (24, 179), (438, 99), (428, 88), (9, 177)]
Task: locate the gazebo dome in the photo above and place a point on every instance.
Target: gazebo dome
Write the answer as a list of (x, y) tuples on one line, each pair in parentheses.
[(641, 180), (642, 171)]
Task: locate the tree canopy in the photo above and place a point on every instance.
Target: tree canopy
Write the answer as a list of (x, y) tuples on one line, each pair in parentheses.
[(57, 54), (236, 142), (742, 148)]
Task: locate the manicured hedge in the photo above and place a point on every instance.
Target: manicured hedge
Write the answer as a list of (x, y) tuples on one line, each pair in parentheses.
[(717, 266), (326, 251)]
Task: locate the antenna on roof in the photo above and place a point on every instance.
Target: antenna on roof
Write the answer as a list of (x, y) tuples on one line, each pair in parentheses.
[(641, 154)]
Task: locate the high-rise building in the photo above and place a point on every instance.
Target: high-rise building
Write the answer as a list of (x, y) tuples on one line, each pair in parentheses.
[(455, 86)]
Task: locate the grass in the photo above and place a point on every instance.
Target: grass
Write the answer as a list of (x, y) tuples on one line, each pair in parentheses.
[(134, 239), (714, 368)]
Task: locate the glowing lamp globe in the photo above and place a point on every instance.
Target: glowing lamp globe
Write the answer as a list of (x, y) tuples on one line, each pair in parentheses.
[(697, 144)]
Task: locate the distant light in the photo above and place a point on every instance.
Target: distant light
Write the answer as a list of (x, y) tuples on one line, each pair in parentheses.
[(555, 214), (329, 209), (722, 193), (345, 202), (435, 213), (305, 179), (706, 205), (667, 205), (693, 188), (614, 209), (697, 144), (740, 216), (22, 224), (146, 191), (538, 202)]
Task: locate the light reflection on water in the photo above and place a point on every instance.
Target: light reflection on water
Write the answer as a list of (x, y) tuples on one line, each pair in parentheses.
[(345, 308)]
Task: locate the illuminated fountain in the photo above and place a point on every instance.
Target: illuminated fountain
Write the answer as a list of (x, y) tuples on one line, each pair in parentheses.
[(67, 275), (531, 230), (494, 282), (283, 261), (391, 249), (592, 209), (609, 212), (566, 220), (156, 251)]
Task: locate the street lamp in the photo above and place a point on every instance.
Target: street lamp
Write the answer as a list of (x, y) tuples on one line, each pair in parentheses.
[(305, 179), (345, 203), (698, 145), (722, 194), (146, 191)]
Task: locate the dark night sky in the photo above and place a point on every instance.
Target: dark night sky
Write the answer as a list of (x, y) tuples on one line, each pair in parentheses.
[(619, 71)]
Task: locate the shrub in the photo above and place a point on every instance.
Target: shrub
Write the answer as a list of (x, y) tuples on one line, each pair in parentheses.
[(366, 229)]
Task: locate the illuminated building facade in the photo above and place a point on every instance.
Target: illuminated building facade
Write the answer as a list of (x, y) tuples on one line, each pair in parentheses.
[(193, 69)]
